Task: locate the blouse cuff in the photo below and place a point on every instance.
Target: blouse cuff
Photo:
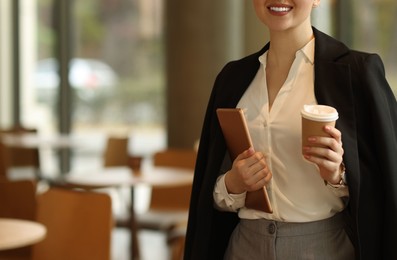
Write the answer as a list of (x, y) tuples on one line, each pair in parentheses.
[(223, 198), (340, 191)]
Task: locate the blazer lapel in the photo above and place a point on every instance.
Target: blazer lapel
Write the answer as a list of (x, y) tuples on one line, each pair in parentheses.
[(240, 77)]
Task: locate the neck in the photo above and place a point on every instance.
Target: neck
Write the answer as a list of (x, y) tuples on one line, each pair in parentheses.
[(284, 44)]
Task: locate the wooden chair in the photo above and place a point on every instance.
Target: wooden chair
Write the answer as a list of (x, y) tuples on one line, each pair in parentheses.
[(17, 200), (4, 162), (116, 152), (168, 207), (175, 157), (19, 156), (79, 225), (172, 198)]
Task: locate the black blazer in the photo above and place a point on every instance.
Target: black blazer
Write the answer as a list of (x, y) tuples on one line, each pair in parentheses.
[(354, 83)]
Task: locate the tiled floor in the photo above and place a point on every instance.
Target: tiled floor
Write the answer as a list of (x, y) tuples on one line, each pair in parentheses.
[(152, 245)]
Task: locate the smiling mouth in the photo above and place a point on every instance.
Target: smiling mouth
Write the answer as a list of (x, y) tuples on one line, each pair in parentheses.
[(279, 9)]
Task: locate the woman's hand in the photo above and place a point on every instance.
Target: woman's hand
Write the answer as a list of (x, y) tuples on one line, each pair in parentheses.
[(249, 172), (328, 157)]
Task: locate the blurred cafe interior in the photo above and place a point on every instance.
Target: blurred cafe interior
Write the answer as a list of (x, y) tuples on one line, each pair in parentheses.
[(107, 97)]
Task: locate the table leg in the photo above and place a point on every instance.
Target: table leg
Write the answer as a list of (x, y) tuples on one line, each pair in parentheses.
[(134, 247)]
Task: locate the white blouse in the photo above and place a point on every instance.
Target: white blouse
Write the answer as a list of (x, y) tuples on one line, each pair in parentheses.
[(297, 191)]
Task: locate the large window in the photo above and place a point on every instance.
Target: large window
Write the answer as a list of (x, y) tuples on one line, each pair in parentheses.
[(116, 73), (374, 30), (364, 25), (117, 66), (371, 26)]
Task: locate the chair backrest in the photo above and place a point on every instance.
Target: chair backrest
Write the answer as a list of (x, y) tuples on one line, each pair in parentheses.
[(4, 161), (175, 197), (18, 156), (116, 152), (175, 157), (79, 225), (17, 200)]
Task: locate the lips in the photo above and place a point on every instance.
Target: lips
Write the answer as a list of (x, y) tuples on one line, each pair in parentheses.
[(279, 9)]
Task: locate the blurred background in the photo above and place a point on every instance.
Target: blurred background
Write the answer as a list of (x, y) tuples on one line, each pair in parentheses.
[(144, 68)]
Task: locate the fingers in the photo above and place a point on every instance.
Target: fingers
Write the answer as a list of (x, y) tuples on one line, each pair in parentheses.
[(329, 147), (248, 158), (258, 173), (263, 178), (333, 132), (326, 152), (250, 170), (246, 154), (330, 162), (335, 143)]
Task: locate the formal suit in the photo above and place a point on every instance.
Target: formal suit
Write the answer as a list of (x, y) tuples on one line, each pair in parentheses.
[(352, 82)]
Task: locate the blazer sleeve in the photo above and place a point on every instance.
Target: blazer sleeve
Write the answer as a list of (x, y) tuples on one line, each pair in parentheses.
[(382, 120)]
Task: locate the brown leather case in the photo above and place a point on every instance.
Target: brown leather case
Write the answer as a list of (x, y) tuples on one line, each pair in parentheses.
[(237, 138)]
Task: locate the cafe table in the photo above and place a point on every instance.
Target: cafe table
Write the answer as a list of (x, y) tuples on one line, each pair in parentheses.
[(152, 176), (16, 233), (34, 140), (47, 142)]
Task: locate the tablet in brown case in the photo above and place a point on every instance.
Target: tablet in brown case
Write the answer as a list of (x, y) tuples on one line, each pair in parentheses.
[(237, 138)]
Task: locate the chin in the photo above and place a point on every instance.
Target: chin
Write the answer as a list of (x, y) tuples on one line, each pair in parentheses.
[(278, 28)]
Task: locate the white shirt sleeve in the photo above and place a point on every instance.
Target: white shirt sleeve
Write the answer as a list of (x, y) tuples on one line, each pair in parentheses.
[(225, 201)]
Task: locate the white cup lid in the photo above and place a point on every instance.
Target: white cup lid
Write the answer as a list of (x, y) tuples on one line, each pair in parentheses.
[(319, 113)]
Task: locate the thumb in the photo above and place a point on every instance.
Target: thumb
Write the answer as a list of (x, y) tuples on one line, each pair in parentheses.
[(247, 153)]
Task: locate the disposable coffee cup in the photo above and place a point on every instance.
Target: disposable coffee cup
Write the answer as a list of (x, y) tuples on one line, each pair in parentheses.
[(314, 118)]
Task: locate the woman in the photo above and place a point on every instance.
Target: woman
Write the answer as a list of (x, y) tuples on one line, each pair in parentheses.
[(354, 214)]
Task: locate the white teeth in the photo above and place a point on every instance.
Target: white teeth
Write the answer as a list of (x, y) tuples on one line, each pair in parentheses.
[(280, 9)]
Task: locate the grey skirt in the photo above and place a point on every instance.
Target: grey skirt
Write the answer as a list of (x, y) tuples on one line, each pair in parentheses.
[(269, 240)]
